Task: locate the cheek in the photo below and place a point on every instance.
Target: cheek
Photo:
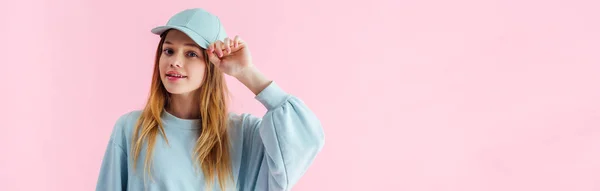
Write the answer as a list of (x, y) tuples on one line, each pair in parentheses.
[(197, 70), (162, 65)]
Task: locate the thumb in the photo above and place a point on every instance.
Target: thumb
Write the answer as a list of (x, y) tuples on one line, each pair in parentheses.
[(212, 57)]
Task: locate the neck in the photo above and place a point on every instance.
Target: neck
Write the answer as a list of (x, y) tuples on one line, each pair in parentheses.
[(184, 106)]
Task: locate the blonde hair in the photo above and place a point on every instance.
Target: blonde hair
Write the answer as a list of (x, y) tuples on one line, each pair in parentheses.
[(211, 152)]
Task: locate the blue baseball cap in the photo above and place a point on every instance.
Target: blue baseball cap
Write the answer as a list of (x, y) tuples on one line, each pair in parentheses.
[(200, 25)]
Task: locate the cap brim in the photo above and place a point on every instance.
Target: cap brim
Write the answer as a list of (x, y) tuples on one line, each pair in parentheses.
[(194, 36)]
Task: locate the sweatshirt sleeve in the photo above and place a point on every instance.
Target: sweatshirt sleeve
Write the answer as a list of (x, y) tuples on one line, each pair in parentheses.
[(282, 144), (113, 170)]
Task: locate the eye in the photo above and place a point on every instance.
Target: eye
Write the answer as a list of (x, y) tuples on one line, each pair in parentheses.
[(192, 54), (168, 51)]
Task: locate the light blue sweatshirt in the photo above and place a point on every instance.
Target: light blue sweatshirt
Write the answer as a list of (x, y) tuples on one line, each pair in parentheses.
[(269, 153)]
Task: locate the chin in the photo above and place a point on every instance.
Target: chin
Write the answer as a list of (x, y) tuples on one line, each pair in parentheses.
[(176, 90), (179, 87)]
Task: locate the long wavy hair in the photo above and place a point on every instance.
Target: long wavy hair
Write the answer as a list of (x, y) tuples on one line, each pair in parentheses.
[(211, 152)]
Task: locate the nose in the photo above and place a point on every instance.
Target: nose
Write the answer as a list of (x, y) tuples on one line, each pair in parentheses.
[(176, 62)]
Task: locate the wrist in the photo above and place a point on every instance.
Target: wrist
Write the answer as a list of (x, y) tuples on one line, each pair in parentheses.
[(253, 79), (245, 73)]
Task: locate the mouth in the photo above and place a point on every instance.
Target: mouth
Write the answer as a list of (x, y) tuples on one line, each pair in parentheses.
[(175, 76)]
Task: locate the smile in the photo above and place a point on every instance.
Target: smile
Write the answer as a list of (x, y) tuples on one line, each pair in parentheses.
[(176, 76)]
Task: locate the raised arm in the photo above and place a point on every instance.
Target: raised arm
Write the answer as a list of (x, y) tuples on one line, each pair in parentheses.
[(279, 147)]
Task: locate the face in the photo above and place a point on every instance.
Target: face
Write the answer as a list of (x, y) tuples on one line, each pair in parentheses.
[(181, 63)]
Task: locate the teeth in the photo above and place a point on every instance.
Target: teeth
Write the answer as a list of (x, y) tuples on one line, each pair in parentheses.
[(175, 75)]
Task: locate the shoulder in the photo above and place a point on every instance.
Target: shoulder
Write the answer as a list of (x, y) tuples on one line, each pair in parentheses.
[(242, 120), (124, 125), (243, 124), (128, 119)]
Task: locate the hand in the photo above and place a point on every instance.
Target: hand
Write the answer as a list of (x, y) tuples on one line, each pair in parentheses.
[(232, 57)]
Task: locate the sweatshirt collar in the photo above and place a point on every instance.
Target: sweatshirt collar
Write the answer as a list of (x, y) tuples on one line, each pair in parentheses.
[(173, 121)]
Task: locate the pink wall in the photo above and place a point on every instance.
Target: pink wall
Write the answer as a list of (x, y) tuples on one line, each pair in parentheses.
[(414, 95)]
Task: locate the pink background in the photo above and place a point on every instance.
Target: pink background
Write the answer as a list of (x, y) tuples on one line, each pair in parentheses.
[(414, 95)]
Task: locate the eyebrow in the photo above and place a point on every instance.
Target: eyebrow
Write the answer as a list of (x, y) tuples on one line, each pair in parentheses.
[(186, 44)]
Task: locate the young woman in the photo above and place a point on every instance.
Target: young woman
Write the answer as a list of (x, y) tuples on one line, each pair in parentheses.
[(186, 139)]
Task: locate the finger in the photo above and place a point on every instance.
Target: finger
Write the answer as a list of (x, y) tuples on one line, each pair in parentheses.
[(240, 44), (219, 48), (212, 57), (223, 49), (227, 45), (236, 41), (211, 48)]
